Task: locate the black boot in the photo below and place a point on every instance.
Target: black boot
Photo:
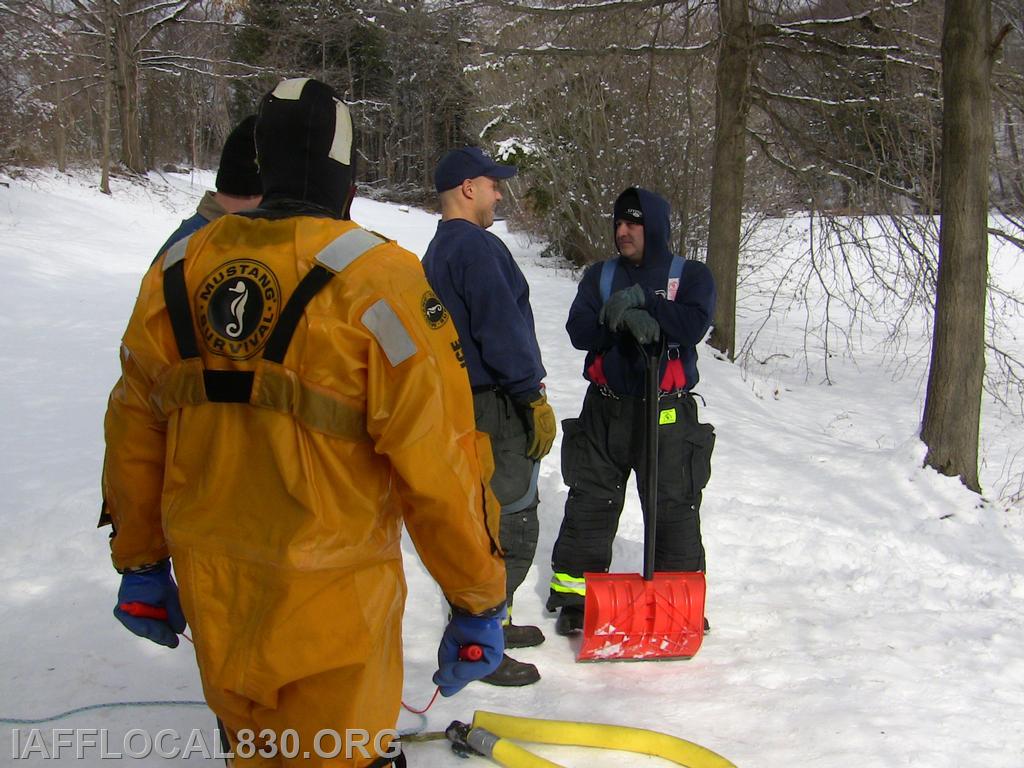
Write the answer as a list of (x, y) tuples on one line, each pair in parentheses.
[(522, 636), (512, 673), (570, 620)]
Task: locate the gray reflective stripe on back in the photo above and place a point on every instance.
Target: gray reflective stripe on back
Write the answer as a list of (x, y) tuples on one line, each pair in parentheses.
[(347, 248), (384, 324), (176, 253)]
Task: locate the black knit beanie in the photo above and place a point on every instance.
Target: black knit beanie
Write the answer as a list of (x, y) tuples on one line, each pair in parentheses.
[(304, 145), (627, 207), (238, 174)]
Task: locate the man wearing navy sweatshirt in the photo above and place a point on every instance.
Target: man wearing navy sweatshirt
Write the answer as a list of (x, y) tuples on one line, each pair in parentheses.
[(635, 299), (488, 298)]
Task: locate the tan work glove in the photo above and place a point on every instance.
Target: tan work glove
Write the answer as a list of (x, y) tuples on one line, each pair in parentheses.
[(540, 419)]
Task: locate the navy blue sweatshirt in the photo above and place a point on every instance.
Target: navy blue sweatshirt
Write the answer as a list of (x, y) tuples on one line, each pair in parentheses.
[(478, 281), (683, 321)]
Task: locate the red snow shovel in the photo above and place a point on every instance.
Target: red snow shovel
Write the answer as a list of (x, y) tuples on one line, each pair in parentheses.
[(658, 615)]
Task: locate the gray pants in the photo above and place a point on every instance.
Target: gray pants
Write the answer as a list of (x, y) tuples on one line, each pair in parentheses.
[(513, 483)]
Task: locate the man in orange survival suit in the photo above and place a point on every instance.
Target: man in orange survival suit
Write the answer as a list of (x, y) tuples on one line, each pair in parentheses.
[(290, 394)]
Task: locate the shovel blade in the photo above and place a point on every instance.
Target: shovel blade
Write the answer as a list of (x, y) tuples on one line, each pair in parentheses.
[(628, 618)]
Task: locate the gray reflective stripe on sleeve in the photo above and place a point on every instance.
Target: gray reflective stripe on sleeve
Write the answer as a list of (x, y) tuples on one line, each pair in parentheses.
[(176, 253), (347, 248), (384, 324)]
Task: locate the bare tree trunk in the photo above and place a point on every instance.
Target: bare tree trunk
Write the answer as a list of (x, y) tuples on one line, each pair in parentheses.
[(732, 103), (107, 106), (1011, 138), (62, 126), (128, 98), (426, 144), (61, 137), (953, 405), (194, 141), (684, 199)]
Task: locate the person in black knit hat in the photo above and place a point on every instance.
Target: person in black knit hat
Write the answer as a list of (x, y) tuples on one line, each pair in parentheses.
[(239, 187), (641, 296)]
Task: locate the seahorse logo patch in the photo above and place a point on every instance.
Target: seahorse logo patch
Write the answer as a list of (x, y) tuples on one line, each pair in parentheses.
[(433, 310), (237, 306)]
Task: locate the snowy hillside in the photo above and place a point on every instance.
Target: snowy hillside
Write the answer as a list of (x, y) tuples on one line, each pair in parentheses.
[(865, 611)]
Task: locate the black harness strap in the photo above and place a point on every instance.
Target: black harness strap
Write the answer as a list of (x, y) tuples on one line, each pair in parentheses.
[(281, 336), (236, 386), (220, 386), (176, 299), (228, 386)]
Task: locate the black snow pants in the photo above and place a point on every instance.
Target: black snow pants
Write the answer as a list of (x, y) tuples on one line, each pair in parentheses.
[(514, 483), (599, 449)]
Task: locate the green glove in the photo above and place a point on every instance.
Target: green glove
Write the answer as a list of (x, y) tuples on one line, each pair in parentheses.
[(614, 310), (541, 423), (641, 325)]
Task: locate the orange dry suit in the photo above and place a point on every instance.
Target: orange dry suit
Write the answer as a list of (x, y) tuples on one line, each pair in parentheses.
[(273, 447)]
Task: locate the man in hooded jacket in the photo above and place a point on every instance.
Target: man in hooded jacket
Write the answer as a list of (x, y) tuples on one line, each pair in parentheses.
[(286, 404), (644, 294)]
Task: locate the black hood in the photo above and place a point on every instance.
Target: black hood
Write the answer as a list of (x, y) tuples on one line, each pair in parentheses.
[(304, 145)]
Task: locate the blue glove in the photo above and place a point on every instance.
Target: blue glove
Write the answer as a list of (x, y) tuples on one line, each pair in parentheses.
[(464, 630), (148, 605), (614, 310)]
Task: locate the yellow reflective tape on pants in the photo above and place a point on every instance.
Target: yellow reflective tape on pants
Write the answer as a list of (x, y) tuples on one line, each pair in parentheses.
[(563, 582)]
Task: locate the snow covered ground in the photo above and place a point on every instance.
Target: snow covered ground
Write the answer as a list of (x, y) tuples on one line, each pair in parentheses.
[(865, 611)]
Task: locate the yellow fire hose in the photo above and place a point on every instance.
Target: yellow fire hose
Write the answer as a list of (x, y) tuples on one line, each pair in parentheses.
[(490, 733)]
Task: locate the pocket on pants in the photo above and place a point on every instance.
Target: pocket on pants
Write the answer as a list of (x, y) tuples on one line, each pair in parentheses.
[(702, 444), (571, 436), (585, 468), (580, 468)]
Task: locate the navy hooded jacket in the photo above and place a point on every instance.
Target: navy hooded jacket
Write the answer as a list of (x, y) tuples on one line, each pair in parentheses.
[(477, 280), (683, 321)]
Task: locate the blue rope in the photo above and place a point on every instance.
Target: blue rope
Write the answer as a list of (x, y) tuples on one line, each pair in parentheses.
[(91, 707)]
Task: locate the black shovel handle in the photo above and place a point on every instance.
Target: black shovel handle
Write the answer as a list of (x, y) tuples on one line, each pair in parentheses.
[(652, 415)]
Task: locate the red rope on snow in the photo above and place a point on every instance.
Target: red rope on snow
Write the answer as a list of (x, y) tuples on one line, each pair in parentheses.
[(422, 711)]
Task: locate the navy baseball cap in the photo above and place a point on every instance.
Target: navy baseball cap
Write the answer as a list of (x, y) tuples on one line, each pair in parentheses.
[(468, 163)]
